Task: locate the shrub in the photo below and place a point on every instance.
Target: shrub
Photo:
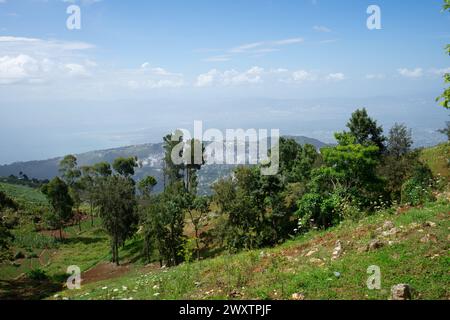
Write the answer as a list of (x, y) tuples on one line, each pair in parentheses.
[(419, 189), (37, 275)]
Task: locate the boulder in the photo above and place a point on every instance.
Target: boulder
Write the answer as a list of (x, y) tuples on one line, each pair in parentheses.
[(338, 250), (388, 225), (375, 245), (401, 292), (298, 296)]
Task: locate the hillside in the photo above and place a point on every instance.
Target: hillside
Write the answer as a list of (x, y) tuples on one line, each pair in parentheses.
[(413, 250), (23, 194), (410, 245)]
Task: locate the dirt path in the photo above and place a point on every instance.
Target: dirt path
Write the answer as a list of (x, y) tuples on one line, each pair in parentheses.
[(104, 271)]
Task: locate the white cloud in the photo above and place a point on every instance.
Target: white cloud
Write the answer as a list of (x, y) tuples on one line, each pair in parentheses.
[(207, 79), (413, 73), (74, 69), (302, 75), (232, 77), (17, 69), (321, 29), (335, 77), (440, 72)]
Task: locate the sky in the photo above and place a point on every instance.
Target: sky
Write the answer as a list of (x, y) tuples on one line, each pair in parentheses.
[(137, 70)]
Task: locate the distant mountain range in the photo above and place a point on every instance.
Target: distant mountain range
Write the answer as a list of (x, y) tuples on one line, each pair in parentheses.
[(149, 155)]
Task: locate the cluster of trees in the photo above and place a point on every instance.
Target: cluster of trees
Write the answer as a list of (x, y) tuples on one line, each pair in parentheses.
[(364, 172)]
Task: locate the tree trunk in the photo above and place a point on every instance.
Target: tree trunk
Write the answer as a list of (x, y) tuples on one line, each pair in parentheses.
[(92, 215), (197, 243), (117, 253)]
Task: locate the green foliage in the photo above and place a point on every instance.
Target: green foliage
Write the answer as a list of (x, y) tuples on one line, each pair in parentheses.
[(400, 141), (366, 130), (58, 195), (125, 166), (163, 222), (115, 198), (102, 169), (146, 185), (37, 275), (173, 145), (419, 189)]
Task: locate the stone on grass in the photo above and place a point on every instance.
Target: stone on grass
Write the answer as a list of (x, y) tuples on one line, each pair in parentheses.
[(298, 296), (375, 245), (338, 250), (401, 292)]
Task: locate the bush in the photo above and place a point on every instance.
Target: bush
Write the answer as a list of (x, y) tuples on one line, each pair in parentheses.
[(37, 275), (419, 189)]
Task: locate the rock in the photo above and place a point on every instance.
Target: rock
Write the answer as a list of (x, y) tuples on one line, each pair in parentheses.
[(298, 297), (390, 233), (401, 292), (375, 245), (337, 274), (338, 250), (429, 224), (388, 225), (428, 238), (310, 253)]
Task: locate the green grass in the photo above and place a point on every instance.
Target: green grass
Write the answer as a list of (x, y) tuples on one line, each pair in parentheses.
[(437, 158), (280, 272), (24, 194)]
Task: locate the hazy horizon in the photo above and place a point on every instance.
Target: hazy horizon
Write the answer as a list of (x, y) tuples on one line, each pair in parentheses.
[(130, 75)]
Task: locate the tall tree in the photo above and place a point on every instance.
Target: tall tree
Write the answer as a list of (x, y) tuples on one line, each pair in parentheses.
[(399, 141), (115, 198), (173, 145), (102, 169), (125, 166), (68, 168), (164, 221), (58, 195), (197, 214), (71, 174), (366, 130), (193, 160), (146, 186)]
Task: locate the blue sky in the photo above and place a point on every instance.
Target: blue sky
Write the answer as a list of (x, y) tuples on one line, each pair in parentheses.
[(138, 69)]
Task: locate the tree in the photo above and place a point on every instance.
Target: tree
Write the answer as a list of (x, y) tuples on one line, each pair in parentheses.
[(57, 193), (366, 130), (125, 166), (163, 224), (400, 141), (115, 198), (348, 178), (173, 144), (197, 214), (446, 130), (146, 186), (102, 169), (70, 173), (193, 160), (444, 98)]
